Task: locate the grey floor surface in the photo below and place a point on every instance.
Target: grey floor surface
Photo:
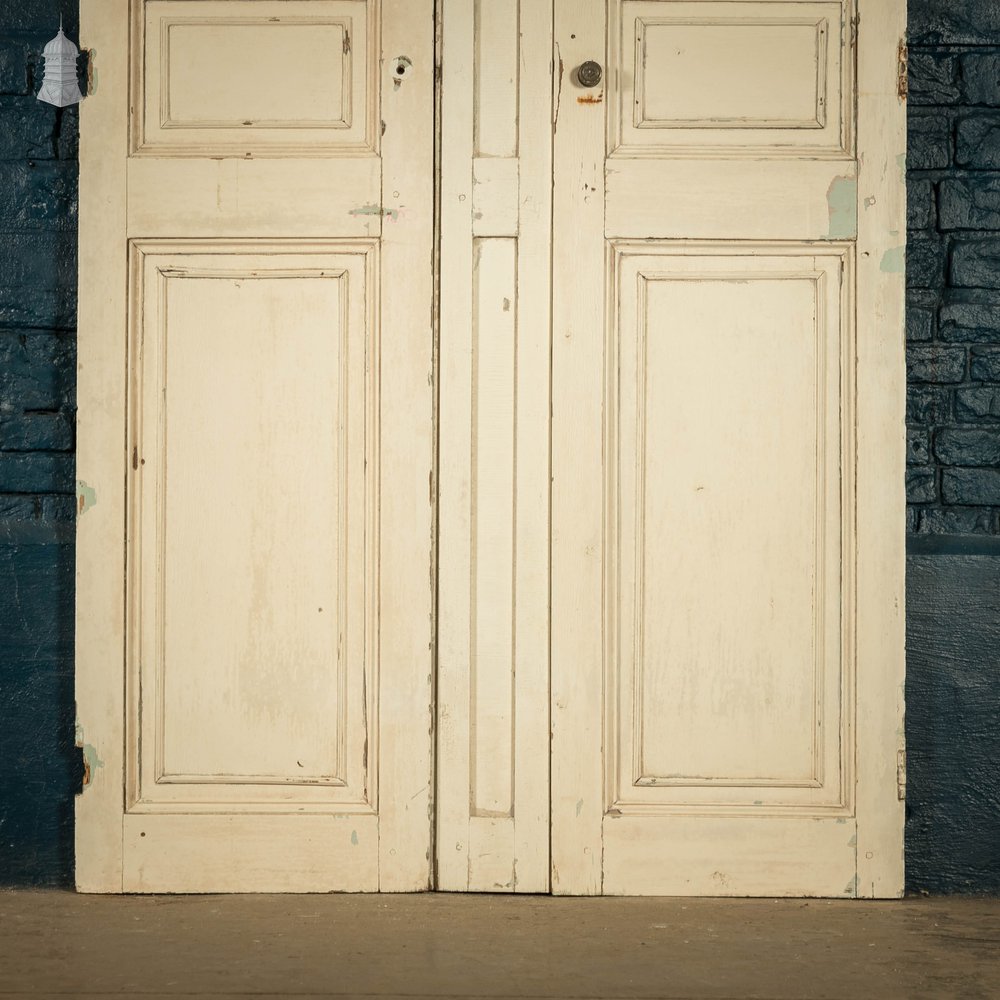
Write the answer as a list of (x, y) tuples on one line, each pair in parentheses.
[(58, 944)]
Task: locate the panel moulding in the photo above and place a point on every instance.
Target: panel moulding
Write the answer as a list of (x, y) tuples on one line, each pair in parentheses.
[(349, 784), (631, 785)]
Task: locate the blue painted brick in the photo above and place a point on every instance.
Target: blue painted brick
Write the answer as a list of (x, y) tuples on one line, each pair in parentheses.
[(933, 78), (925, 262), (970, 203), (39, 195), (953, 22), (37, 371), (977, 403), (967, 446), (984, 364), (975, 263), (956, 521), (51, 509), (927, 405), (971, 487), (38, 280), (920, 207), (940, 365), (38, 15), (928, 140), (919, 324), (917, 448), (970, 320), (36, 432), (980, 76), (25, 129), (977, 142), (14, 62), (36, 472), (921, 485)]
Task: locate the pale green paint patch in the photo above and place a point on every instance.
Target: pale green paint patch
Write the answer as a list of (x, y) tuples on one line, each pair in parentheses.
[(853, 842), (91, 761), (851, 889), (579, 806), (86, 497), (842, 199), (901, 163), (372, 209), (893, 260), (354, 837)]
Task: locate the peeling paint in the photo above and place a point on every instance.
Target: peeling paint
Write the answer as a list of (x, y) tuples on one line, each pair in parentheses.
[(590, 99), (372, 209), (91, 74), (91, 762), (842, 199), (901, 163), (86, 497), (893, 260)]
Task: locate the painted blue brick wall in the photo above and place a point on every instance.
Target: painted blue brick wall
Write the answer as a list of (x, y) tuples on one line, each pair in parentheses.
[(38, 213), (953, 362), (953, 425), (953, 330)]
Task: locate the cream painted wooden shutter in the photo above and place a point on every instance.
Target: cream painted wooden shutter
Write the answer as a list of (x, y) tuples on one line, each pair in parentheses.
[(254, 588), (727, 500)]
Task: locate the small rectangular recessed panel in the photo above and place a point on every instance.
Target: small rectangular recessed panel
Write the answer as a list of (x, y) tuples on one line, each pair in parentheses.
[(251, 655), (704, 75), (725, 539), (233, 77)]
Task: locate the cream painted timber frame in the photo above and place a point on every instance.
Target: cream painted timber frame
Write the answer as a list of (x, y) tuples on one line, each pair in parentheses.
[(377, 214)]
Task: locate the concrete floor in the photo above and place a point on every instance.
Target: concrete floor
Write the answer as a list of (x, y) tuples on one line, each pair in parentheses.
[(60, 944)]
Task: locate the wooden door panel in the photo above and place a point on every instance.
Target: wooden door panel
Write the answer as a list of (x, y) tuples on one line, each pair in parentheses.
[(268, 78), (728, 399), (493, 803), (255, 669), (726, 345), (253, 633), (760, 78)]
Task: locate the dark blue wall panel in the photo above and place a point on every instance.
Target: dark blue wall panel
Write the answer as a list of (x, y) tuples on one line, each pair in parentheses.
[(38, 216)]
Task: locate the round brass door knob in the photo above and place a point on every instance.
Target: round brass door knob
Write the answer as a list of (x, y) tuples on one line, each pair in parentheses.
[(589, 74)]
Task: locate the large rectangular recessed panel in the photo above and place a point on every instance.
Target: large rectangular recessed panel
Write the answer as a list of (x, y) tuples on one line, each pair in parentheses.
[(729, 75), (252, 539), (234, 77), (726, 599)]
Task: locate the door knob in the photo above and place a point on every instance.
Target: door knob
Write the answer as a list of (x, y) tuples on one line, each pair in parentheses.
[(589, 74)]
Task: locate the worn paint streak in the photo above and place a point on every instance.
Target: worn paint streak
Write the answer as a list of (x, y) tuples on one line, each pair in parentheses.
[(893, 260), (86, 497), (372, 209), (842, 200)]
